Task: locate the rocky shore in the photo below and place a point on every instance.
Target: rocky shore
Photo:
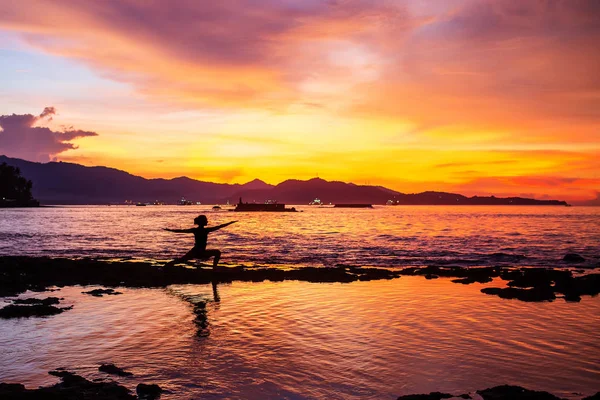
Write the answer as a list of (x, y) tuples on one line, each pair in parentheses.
[(504, 392), (18, 274), (73, 387)]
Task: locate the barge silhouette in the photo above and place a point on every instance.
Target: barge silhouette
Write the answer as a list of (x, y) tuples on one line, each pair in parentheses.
[(265, 207), (353, 206)]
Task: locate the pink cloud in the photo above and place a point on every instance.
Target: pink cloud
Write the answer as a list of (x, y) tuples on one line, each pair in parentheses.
[(20, 137)]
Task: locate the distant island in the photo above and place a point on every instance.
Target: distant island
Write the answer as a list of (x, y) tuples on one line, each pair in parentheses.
[(68, 183)]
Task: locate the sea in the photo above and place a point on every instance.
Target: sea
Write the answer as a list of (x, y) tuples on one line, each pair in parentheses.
[(301, 340), (389, 236)]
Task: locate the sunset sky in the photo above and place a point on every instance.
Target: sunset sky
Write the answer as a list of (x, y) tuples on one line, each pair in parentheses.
[(477, 97)]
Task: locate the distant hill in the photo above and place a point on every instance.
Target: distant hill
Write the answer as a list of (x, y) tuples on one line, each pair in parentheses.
[(67, 183), (302, 192)]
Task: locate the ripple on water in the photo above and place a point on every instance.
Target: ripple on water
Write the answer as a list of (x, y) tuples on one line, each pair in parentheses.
[(417, 235), (376, 339)]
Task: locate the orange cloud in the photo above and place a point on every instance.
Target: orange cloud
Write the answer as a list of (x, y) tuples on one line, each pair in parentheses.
[(490, 95)]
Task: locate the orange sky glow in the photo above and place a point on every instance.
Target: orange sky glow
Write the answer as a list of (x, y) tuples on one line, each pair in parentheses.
[(469, 96)]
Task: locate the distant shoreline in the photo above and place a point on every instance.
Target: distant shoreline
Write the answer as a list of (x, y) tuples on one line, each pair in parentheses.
[(293, 205), (68, 183)]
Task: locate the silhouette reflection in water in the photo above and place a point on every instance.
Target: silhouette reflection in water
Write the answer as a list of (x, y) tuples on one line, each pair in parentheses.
[(199, 251), (215, 289)]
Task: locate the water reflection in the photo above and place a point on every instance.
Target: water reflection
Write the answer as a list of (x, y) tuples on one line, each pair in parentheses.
[(215, 289), (376, 339)]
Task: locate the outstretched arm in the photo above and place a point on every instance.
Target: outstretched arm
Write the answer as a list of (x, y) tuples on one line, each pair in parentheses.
[(191, 230), (215, 228)]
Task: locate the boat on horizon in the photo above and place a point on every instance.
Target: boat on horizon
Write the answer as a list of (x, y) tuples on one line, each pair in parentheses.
[(353, 205), (267, 206)]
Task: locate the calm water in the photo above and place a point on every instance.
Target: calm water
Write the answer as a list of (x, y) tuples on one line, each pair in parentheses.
[(298, 340), (301, 340), (388, 236)]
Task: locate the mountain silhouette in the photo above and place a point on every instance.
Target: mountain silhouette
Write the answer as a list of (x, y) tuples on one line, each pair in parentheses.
[(295, 191), (68, 183)]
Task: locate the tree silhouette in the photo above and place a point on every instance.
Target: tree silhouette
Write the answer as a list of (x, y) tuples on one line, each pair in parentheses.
[(15, 190)]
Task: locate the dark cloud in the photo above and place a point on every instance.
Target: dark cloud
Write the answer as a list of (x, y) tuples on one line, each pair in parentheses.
[(48, 112), (20, 137)]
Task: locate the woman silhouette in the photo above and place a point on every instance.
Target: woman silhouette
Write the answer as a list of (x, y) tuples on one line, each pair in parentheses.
[(201, 236)]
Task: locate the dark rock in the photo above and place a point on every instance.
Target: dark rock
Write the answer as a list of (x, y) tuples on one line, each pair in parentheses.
[(430, 396), (36, 310), (102, 292), (148, 392), (431, 276), (464, 396), (506, 392), (71, 387), (533, 294), (593, 397), (534, 277), (9, 388), (582, 285), (573, 258), (474, 279), (18, 274), (572, 298), (112, 369), (45, 302), (466, 275)]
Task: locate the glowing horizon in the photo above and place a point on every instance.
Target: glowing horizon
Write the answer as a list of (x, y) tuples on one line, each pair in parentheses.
[(474, 97)]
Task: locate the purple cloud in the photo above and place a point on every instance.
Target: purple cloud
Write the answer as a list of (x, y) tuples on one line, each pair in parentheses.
[(20, 137)]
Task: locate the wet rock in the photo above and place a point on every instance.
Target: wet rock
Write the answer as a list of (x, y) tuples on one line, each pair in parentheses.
[(431, 276), (465, 275), (25, 311), (45, 302), (507, 392), (573, 258), (430, 396), (148, 392), (71, 387), (102, 292), (588, 285), (572, 298), (18, 274), (7, 388), (533, 294), (534, 277), (112, 369), (475, 279)]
